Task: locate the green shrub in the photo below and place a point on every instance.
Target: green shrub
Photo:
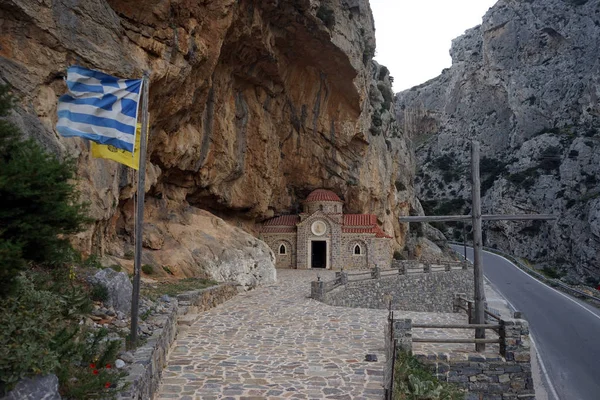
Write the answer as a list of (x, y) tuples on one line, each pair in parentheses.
[(416, 227), (450, 176), (388, 95), (39, 204), (116, 267), (92, 261), (129, 255), (491, 166), (41, 334), (368, 53), (445, 162), (440, 226), (376, 118), (592, 282), (532, 230), (400, 186), (147, 269), (91, 373), (552, 273), (398, 255), (549, 159), (414, 381), (326, 15), (525, 179), (491, 169), (99, 292), (167, 269), (447, 207)]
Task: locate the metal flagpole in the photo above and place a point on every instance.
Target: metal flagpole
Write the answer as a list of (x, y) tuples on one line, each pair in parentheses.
[(139, 220)]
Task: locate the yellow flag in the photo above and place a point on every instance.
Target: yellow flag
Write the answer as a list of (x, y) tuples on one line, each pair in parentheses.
[(119, 155)]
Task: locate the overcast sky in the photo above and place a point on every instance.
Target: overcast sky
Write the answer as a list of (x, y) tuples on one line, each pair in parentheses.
[(414, 36)]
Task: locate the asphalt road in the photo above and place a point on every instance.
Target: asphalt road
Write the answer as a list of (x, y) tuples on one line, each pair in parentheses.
[(566, 330)]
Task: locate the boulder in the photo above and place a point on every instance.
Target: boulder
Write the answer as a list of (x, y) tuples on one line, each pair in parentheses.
[(200, 244), (119, 288), (37, 388)]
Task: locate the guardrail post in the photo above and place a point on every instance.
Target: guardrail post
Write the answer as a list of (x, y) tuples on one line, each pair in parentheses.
[(426, 267), (376, 273), (402, 269), (317, 290)]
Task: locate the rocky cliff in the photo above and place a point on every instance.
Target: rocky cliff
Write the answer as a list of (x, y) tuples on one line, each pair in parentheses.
[(253, 104), (526, 85)]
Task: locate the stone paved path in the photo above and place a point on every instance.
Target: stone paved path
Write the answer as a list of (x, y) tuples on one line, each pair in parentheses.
[(276, 343)]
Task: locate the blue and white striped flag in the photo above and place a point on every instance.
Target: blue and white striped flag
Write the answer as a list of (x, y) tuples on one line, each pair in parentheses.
[(99, 107)]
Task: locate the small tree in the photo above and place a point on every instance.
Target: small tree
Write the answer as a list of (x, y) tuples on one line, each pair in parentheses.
[(38, 203)]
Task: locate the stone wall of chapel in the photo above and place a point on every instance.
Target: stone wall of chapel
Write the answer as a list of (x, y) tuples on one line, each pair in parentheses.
[(274, 241), (336, 246), (327, 207), (350, 260), (302, 251), (333, 236), (381, 254)]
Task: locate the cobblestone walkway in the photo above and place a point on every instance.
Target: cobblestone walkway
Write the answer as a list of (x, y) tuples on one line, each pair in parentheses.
[(276, 343)]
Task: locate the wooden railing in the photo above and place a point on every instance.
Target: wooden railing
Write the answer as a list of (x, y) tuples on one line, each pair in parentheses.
[(462, 303), (455, 340)]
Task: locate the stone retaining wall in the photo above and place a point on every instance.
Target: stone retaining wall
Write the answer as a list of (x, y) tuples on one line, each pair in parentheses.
[(429, 292), (486, 376), (150, 358)]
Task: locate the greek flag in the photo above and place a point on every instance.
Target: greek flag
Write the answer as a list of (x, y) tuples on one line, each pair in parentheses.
[(99, 107)]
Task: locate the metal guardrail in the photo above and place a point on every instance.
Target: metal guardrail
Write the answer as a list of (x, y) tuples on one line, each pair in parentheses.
[(537, 275)]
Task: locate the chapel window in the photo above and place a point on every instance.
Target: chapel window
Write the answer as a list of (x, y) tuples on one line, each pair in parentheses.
[(357, 249), (282, 249)]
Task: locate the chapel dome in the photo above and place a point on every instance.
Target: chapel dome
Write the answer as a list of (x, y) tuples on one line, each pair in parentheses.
[(322, 195)]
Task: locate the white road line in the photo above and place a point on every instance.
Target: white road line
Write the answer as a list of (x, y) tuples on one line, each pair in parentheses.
[(549, 287), (543, 366), (537, 353)]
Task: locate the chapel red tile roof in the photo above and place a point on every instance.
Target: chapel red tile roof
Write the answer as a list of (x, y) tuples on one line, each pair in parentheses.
[(353, 223), (322, 195), (283, 220), (278, 229), (360, 219), (363, 223)]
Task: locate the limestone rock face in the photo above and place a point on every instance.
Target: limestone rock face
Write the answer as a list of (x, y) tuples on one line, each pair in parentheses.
[(525, 84), (253, 105)]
